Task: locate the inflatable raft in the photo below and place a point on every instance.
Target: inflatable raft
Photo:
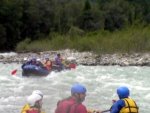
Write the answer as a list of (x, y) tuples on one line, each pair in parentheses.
[(28, 70)]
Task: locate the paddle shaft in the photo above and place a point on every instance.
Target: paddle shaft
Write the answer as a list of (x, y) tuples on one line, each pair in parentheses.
[(105, 111)]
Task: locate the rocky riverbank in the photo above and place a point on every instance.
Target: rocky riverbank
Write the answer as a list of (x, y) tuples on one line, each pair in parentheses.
[(83, 58)]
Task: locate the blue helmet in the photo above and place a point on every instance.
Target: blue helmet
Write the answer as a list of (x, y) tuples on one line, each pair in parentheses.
[(34, 58), (46, 57), (78, 88), (123, 92)]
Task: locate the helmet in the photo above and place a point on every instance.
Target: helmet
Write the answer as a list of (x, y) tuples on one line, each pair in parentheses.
[(38, 92), (123, 92), (38, 59), (34, 58), (33, 98), (25, 59), (78, 88), (58, 54), (46, 57)]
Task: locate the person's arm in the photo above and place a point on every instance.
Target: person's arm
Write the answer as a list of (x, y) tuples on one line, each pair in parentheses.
[(29, 62), (117, 106)]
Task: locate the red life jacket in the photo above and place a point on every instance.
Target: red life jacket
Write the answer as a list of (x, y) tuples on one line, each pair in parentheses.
[(33, 63), (33, 111), (58, 59), (70, 105)]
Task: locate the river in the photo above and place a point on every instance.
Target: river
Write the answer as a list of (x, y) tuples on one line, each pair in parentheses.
[(101, 83)]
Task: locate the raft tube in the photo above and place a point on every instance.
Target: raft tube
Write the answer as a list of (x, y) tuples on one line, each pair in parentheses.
[(28, 70)]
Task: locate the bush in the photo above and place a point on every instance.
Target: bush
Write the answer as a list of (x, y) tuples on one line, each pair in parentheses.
[(125, 41)]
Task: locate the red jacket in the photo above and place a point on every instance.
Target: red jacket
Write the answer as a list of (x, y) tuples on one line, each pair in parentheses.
[(70, 106)]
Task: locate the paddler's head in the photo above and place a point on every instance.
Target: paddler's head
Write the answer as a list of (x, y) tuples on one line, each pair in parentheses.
[(78, 91), (35, 100), (34, 59), (46, 58), (38, 92), (123, 92), (58, 54)]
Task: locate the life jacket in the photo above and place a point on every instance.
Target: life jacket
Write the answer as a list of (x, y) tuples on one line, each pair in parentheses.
[(33, 63), (69, 105), (64, 63), (60, 58), (28, 109), (48, 66), (54, 63), (57, 59), (33, 111), (130, 106)]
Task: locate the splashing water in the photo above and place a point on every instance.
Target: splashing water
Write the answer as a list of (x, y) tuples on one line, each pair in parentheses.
[(101, 83)]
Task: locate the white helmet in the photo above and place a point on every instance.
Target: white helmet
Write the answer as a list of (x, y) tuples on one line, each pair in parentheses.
[(33, 98), (38, 59), (25, 59), (37, 92)]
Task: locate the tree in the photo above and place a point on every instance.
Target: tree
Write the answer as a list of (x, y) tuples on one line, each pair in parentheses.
[(117, 14), (2, 36), (10, 15), (91, 18), (37, 18)]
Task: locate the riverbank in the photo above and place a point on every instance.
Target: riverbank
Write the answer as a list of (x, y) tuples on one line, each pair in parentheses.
[(82, 58)]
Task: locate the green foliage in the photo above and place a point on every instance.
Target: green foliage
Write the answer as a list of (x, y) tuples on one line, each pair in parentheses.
[(38, 16), (2, 36), (91, 18), (87, 5), (67, 22), (10, 16), (74, 32), (125, 41), (23, 46), (116, 14)]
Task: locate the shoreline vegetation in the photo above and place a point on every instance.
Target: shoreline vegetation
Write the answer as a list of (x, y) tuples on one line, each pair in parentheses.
[(129, 47), (131, 40)]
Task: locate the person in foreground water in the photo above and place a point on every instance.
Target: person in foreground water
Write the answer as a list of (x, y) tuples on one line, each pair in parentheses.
[(73, 104), (124, 104), (34, 103)]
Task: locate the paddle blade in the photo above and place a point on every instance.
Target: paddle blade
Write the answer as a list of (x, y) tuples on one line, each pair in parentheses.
[(73, 66), (14, 72)]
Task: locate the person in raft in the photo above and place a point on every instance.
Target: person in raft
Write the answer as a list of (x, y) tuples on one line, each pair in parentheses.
[(34, 103), (60, 62), (124, 104), (73, 104), (33, 61), (25, 62), (47, 64)]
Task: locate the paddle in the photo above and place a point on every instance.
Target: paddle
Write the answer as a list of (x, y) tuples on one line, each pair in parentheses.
[(105, 111), (14, 72), (73, 66), (95, 111)]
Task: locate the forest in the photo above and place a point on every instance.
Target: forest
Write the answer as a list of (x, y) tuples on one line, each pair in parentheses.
[(102, 26)]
